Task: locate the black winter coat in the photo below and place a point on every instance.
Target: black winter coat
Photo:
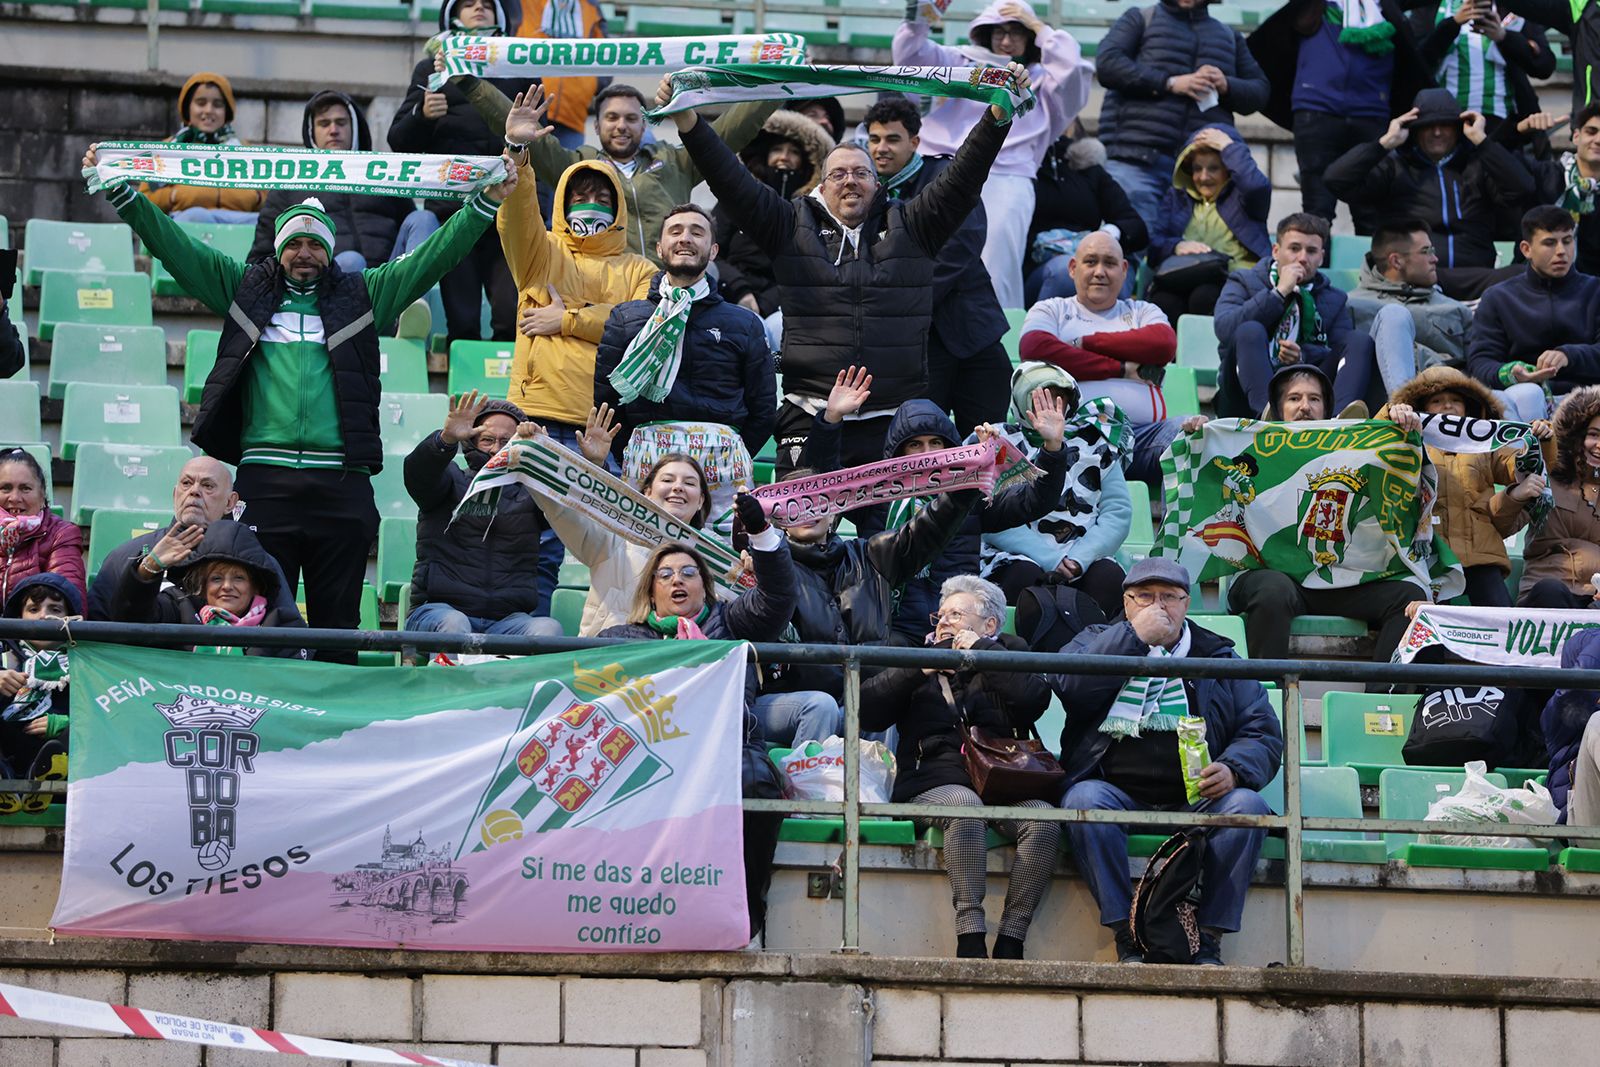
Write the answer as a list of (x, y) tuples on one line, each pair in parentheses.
[(1524, 316), (1457, 196), (1140, 121), (870, 305), (1083, 198), (485, 566), (726, 375), (148, 602), (928, 754), (346, 309), (361, 223), (116, 571), (1010, 508)]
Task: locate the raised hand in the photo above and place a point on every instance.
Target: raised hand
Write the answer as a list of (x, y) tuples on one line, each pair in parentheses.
[(748, 510), (463, 413), (1017, 12), (1405, 417), (1541, 121), (499, 193), (1527, 489), (599, 430), (91, 157), (1048, 418), (1474, 127), (1396, 134), (176, 545), (1020, 73), (851, 388), (434, 106), (525, 121)]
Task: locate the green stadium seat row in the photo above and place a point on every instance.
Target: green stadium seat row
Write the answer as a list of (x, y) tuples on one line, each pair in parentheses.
[(110, 527), (481, 365), (124, 476), (1197, 347), (96, 413), (397, 555), (98, 247), (120, 355), (404, 419), (96, 297), (231, 239), (19, 412)]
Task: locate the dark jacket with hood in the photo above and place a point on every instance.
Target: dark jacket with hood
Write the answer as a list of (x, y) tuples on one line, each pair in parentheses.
[(485, 566), (726, 375), (1074, 191), (1521, 317), (928, 754), (460, 130), (116, 574), (1567, 714), (1249, 296), (154, 602), (1140, 121), (361, 223), (1244, 203), (1012, 507), (744, 268), (1242, 731), (1457, 195), (870, 302)]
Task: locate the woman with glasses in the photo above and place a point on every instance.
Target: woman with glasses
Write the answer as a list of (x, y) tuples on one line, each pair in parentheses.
[(931, 708), (675, 599), (474, 574)]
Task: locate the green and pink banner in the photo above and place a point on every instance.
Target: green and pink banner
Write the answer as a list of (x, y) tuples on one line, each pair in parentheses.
[(577, 802)]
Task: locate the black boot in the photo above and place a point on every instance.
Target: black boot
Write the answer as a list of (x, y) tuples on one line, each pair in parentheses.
[(1007, 947), (971, 947), (1127, 949)]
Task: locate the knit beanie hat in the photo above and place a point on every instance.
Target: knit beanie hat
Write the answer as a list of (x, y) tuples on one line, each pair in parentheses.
[(500, 407), (305, 219), (1032, 375)]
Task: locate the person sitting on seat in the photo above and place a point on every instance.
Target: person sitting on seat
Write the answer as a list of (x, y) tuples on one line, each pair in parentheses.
[(1561, 557), (1119, 748), (35, 691), (205, 116), (33, 539), (929, 709)]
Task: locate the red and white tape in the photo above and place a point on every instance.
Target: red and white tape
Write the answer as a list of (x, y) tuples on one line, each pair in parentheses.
[(39, 1006)]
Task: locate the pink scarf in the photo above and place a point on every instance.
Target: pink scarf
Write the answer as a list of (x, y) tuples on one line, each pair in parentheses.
[(210, 616), (15, 529)]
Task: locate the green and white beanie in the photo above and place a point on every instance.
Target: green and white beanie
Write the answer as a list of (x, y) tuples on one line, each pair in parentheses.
[(305, 219)]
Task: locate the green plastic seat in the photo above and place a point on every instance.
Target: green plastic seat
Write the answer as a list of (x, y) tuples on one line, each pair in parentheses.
[(231, 239), (566, 607), (763, 472), (124, 355), (365, 10), (1348, 252), (1227, 626), (129, 477), (1580, 860), (1141, 530), (1197, 347), (1181, 390), (1506, 251), (1013, 336), (1405, 793), (99, 298), (389, 490), (402, 365), (101, 247), (404, 419), (481, 365), (1344, 279), (110, 527), (19, 412), (1329, 793), (574, 575), (14, 309), (119, 414), (199, 356), (1366, 731), (1327, 626), (397, 555)]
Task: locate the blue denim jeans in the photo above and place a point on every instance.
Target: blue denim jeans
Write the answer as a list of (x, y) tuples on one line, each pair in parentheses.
[(1145, 185), (444, 619), (795, 718), (1101, 853), (415, 228)]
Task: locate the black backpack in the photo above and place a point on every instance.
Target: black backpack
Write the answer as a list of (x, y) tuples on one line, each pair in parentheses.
[(1049, 616), (1454, 724), (1164, 917)]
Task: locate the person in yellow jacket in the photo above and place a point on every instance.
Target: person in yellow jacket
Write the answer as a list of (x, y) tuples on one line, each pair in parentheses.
[(205, 116), (567, 277)]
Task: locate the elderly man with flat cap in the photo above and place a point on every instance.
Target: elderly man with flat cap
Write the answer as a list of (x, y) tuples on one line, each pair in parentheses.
[(1120, 750)]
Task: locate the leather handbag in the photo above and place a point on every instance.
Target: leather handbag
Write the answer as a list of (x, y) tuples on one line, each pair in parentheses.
[(1005, 769), (1184, 271)]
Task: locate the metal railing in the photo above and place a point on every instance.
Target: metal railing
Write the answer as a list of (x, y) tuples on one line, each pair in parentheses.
[(1289, 673)]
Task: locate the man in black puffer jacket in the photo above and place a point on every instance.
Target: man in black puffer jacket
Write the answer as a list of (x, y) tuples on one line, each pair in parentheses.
[(724, 371), (368, 230), (1161, 67), (478, 573), (854, 270)]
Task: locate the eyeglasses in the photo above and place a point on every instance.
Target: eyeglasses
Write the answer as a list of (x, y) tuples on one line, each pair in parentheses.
[(490, 442), (1144, 599), (1425, 250), (841, 175), (688, 570), (952, 614)]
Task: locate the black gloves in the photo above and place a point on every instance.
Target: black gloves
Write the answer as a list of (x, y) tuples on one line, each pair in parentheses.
[(747, 509)]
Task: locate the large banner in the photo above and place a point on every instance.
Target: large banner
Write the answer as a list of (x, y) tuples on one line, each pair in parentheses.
[(1331, 504), (1518, 637), (582, 802)]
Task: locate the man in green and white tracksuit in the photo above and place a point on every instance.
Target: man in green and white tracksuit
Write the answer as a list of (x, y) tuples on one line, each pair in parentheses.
[(293, 398)]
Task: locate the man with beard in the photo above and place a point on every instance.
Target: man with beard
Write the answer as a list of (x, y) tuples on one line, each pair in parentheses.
[(685, 354), (475, 574)]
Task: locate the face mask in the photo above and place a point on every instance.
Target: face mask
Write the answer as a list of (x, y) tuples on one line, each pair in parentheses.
[(585, 220)]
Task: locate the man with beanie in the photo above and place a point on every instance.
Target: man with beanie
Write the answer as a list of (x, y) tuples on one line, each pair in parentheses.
[(478, 573), (1436, 162), (293, 397)]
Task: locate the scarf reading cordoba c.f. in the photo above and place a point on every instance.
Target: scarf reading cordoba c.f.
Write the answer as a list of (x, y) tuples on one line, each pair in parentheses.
[(532, 57)]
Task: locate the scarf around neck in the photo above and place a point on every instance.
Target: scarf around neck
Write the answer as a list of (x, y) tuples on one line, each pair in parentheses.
[(1362, 26), (1579, 195), (1150, 703), (894, 185), (15, 529), (1301, 322), (650, 364), (210, 616), (47, 673), (679, 626), (221, 135)]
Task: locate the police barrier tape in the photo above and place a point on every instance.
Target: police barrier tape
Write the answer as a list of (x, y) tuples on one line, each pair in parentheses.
[(40, 1006)]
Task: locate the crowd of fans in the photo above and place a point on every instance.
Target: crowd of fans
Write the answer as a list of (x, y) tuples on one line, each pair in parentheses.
[(847, 298)]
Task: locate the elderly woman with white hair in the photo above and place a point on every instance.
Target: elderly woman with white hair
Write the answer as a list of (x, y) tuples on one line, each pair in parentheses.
[(931, 708)]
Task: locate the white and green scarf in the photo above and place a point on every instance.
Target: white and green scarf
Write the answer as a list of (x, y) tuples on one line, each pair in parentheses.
[(738, 82), (651, 361), (300, 170), (894, 185), (561, 18), (1146, 702), (1363, 25), (571, 54), (1578, 196), (586, 220), (1301, 322)]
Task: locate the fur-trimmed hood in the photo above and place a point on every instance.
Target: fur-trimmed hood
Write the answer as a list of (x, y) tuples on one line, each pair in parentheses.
[(1481, 402), (1572, 421), (812, 140)]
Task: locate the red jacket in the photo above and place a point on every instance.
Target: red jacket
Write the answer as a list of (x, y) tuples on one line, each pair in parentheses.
[(57, 545)]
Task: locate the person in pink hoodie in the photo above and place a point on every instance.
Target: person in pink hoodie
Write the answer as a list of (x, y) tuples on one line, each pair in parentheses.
[(1003, 32), (32, 539)]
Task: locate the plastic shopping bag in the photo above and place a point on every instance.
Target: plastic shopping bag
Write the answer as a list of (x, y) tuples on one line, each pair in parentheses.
[(1480, 800), (816, 771)]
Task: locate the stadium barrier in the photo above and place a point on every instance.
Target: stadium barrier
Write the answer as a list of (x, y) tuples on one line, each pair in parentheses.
[(1287, 673)]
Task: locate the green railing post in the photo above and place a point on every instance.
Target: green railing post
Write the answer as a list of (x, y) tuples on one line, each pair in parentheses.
[(1293, 871), (852, 805)]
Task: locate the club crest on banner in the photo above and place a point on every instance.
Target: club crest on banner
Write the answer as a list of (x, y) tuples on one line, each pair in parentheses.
[(1325, 509), (213, 743)]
